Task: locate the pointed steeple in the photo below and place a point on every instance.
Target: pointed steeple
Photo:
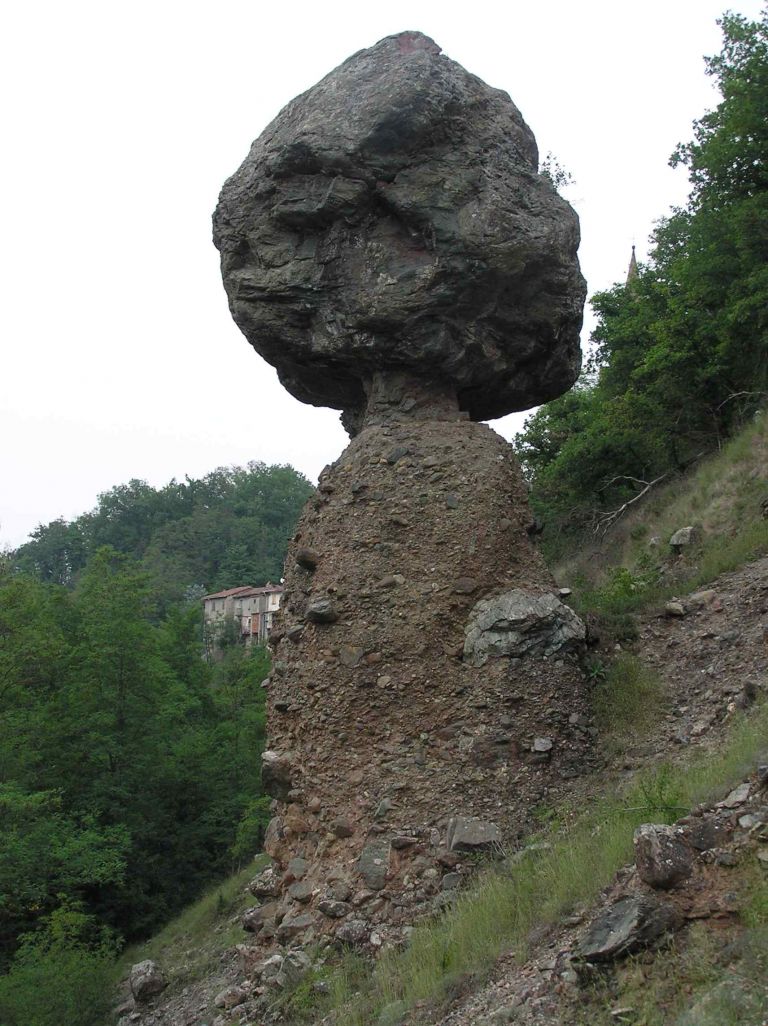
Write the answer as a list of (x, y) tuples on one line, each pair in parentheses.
[(633, 272)]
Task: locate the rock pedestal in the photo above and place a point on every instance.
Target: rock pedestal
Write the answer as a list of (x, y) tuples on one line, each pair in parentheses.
[(389, 245), (382, 733)]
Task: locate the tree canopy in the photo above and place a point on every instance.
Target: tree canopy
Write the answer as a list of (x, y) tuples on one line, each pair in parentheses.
[(228, 528), (126, 761), (680, 352)]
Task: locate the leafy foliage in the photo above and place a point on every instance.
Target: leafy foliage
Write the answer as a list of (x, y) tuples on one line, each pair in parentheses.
[(680, 355), (127, 761), (61, 974), (225, 529)]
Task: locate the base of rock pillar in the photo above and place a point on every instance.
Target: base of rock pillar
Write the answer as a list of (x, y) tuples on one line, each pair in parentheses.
[(394, 755)]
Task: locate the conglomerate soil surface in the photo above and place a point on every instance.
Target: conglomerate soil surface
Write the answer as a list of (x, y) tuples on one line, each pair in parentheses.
[(382, 731)]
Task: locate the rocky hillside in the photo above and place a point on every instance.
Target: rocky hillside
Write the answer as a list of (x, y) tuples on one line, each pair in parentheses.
[(678, 932), (578, 923)]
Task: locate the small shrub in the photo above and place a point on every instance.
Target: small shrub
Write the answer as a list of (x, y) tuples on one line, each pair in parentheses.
[(250, 830), (628, 694), (595, 669), (661, 796)]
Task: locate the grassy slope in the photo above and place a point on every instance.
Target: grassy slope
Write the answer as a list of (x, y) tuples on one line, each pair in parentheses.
[(191, 945), (721, 495), (567, 870)]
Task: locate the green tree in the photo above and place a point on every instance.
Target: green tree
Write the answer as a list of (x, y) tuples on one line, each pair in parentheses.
[(228, 528), (680, 353)]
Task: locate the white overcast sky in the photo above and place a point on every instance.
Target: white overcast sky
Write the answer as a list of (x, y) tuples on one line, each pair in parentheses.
[(121, 120)]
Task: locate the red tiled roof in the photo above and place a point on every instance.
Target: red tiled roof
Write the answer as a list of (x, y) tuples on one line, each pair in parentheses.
[(268, 589), (244, 591), (228, 592)]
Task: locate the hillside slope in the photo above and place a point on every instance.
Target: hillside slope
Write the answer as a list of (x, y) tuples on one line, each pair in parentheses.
[(712, 732), (721, 496), (680, 717)]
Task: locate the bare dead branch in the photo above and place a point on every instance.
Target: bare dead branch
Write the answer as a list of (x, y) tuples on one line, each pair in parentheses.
[(605, 520), (737, 395), (624, 477)]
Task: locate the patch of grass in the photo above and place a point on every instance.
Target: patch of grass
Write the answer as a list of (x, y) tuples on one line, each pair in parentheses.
[(628, 694), (507, 902), (755, 911), (626, 591), (193, 941), (722, 494)]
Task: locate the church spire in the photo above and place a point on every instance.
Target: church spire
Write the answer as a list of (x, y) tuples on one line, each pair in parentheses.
[(633, 272)]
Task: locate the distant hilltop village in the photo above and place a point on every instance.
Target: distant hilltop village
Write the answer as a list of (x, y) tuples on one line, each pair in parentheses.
[(247, 612)]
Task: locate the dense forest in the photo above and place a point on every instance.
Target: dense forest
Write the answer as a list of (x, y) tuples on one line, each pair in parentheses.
[(679, 356), (129, 765), (220, 531)]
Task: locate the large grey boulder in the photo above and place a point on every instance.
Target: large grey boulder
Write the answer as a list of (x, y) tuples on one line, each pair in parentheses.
[(393, 218), (518, 623), (146, 980)]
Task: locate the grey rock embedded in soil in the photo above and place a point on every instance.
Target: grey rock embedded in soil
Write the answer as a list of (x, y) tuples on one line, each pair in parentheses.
[(294, 925), (662, 856), (373, 864), (393, 217), (322, 610), (354, 932), (254, 919), (736, 797), (266, 884), (684, 537), (230, 997), (518, 623), (295, 967), (146, 980), (707, 833), (627, 925), (674, 609), (276, 774), (468, 833)]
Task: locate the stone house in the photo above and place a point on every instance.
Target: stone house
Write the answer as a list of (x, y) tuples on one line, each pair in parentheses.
[(248, 610)]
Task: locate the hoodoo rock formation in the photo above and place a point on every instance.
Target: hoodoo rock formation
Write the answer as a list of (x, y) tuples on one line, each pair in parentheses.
[(389, 246)]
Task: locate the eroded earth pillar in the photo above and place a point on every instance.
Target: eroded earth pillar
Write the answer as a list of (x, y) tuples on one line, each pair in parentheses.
[(389, 246)]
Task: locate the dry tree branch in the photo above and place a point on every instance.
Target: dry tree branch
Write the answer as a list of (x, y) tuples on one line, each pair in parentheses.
[(606, 520), (737, 395)]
